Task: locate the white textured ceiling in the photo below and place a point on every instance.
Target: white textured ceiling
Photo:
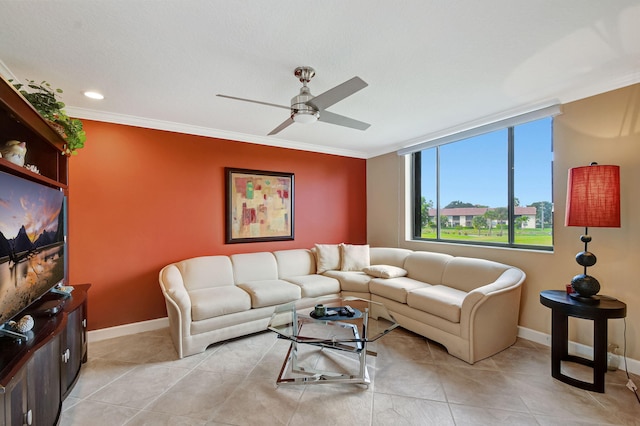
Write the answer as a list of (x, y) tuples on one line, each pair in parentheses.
[(432, 66)]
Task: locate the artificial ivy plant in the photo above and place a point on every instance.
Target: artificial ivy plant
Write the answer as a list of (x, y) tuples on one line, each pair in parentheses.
[(45, 100)]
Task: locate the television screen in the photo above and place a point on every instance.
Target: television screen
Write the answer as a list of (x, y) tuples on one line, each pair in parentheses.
[(32, 242)]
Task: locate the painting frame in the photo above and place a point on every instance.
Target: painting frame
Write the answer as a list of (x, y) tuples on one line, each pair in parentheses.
[(259, 205)]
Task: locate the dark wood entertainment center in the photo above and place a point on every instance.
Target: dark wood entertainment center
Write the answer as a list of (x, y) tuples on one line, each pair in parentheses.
[(36, 375)]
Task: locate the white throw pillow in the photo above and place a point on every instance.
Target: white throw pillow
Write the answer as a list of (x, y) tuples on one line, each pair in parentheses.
[(354, 257), (385, 271), (327, 257)]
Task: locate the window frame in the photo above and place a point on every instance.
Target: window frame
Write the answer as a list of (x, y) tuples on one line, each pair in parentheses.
[(416, 188)]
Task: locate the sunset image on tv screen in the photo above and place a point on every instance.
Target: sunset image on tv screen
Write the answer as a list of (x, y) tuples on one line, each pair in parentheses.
[(31, 242)]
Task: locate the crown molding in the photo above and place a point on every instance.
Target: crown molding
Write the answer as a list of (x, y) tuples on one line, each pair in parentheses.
[(578, 93), (129, 120), (6, 72)]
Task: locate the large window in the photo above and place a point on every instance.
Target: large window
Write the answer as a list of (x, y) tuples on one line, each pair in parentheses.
[(492, 188)]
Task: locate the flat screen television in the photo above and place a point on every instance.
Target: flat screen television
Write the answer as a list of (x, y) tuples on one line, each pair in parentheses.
[(32, 242)]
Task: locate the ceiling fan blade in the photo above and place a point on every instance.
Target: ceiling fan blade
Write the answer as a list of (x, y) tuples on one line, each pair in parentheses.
[(286, 123), (341, 120), (255, 102), (338, 93)]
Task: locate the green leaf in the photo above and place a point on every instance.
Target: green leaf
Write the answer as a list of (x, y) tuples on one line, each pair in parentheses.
[(43, 98)]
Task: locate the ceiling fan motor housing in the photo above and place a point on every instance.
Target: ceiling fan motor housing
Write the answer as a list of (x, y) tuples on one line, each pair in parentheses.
[(300, 111)]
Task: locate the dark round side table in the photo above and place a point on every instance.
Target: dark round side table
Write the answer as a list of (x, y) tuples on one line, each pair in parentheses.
[(562, 307)]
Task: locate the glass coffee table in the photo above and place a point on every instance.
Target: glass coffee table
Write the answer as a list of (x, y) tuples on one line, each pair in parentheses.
[(344, 333)]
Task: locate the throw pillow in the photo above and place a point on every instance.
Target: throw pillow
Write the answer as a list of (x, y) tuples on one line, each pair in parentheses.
[(354, 257), (327, 257), (385, 271)]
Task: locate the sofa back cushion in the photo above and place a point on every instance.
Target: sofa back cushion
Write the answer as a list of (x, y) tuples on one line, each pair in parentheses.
[(205, 272), (466, 273), (354, 257), (328, 257), (254, 267), (388, 256), (295, 263), (426, 266)]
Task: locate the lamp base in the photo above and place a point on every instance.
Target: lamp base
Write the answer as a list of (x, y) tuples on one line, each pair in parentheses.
[(591, 300), (585, 285)]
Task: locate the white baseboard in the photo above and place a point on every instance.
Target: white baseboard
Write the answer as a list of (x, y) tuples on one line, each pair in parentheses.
[(579, 349), (124, 330), (534, 336), (526, 333)]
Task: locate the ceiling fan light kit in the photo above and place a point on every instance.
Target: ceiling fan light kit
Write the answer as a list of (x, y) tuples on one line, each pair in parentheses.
[(306, 117), (300, 111), (306, 108)]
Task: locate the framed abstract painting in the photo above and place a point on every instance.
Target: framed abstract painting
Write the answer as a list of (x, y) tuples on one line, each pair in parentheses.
[(259, 206)]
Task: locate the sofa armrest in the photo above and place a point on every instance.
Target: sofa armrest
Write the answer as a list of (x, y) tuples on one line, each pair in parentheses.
[(173, 287), (479, 305), (178, 304)]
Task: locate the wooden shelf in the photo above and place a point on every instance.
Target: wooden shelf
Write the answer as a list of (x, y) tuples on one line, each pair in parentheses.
[(20, 121), (28, 174)]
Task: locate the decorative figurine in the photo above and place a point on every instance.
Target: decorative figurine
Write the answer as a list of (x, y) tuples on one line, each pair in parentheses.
[(25, 324), (31, 167), (14, 152)]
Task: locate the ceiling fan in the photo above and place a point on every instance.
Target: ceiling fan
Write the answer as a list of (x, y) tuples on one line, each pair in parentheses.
[(306, 108)]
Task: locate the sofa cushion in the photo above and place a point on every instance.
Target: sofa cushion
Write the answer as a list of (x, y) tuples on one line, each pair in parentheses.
[(206, 272), (354, 257), (438, 300), (395, 288), (426, 266), (351, 280), (315, 285), (466, 273), (216, 301), (388, 256), (384, 271), (270, 292), (254, 267), (295, 262), (327, 257)]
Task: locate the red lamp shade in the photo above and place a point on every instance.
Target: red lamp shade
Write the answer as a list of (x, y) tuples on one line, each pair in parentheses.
[(593, 196)]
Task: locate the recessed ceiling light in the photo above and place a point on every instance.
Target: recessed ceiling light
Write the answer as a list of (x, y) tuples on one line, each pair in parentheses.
[(94, 95)]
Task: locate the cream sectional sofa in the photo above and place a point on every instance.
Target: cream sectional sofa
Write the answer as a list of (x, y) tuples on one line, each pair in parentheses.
[(469, 305)]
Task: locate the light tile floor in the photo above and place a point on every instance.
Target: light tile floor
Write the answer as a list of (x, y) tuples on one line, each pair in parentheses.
[(138, 380)]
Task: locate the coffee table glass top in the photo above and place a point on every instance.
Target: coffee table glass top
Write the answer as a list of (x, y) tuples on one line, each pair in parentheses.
[(301, 325)]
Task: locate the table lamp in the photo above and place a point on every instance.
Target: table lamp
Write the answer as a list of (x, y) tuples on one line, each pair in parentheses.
[(593, 200)]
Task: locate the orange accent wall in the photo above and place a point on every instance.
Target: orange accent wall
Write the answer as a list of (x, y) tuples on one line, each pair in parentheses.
[(140, 199)]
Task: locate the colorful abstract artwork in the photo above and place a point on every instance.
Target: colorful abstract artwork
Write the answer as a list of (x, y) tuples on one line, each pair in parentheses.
[(259, 206)]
